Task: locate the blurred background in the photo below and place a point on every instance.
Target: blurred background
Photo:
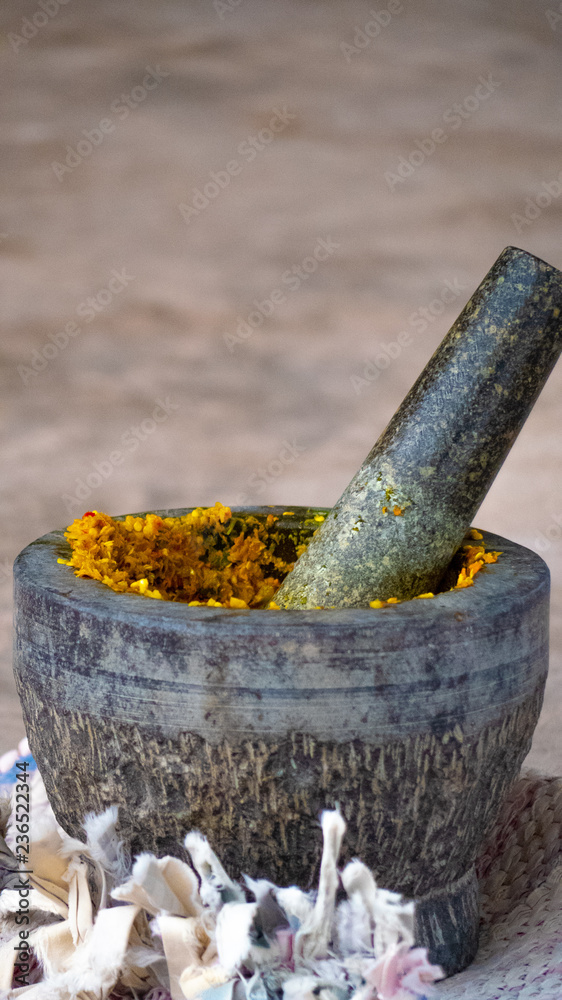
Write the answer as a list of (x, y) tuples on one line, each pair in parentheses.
[(231, 235)]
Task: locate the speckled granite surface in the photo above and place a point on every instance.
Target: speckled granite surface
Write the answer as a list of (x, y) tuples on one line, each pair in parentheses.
[(344, 190), (396, 527)]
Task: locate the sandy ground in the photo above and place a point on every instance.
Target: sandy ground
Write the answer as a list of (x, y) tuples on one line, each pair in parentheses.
[(143, 107)]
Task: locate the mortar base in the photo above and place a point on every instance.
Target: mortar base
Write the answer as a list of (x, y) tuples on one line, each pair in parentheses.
[(447, 923)]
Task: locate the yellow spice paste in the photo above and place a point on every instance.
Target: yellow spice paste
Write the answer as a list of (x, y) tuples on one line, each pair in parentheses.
[(207, 557)]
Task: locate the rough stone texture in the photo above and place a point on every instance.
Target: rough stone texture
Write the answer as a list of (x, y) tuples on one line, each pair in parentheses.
[(417, 809), (336, 675), (452, 916), (443, 448), (246, 724)]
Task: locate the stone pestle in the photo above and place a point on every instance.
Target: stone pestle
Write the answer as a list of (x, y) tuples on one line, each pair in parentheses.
[(395, 529)]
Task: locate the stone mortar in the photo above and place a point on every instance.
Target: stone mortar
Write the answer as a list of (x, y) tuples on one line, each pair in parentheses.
[(414, 719)]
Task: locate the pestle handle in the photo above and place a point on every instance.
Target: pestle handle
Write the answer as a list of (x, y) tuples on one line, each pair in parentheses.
[(396, 527)]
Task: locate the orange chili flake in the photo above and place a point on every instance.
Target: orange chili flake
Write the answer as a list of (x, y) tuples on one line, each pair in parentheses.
[(397, 511), (474, 567), (464, 580)]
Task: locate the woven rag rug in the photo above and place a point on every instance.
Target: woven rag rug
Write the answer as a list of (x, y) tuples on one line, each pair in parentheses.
[(520, 877)]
